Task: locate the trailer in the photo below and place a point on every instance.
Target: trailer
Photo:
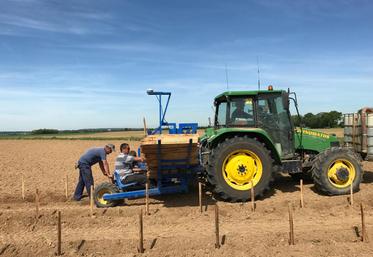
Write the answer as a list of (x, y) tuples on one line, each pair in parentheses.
[(358, 132)]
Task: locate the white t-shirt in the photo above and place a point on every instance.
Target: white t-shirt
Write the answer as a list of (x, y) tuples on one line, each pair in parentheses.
[(124, 164)]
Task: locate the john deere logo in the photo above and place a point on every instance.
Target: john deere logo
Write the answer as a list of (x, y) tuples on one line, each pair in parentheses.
[(313, 133)]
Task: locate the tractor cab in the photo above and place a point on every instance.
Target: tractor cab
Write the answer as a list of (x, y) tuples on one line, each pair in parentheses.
[(264, 109)]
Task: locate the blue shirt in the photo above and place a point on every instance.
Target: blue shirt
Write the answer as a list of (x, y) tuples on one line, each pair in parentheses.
[(93, 156)]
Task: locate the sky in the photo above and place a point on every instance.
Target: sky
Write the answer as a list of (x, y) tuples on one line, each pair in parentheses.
[(87, 63)]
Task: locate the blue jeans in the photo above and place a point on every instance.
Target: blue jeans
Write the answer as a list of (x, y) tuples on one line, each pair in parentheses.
[(85, 180)]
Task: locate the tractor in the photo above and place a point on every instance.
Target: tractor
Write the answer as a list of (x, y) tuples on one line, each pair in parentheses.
[(253, 138)]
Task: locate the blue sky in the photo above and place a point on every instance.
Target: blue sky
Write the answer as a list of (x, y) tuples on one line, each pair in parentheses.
[(85, 64)]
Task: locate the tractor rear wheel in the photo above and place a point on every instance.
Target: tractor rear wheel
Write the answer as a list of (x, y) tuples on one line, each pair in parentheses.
[(100, 190), (236, 164), (335, 170)]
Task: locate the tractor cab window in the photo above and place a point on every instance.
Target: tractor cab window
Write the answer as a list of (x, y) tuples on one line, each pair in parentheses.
[(221, 114), (241, 112), (274, 118), (235, 112)]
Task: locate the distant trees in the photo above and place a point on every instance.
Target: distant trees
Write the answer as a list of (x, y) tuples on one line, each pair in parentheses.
[(44, 131), (330, 119)]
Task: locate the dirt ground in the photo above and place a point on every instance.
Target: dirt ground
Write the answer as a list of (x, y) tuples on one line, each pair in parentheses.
[(327, 226)]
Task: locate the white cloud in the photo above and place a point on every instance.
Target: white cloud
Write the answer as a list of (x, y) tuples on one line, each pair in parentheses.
[(127, 47)]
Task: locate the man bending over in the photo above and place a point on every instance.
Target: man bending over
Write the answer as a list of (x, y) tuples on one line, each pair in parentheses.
[(85, 163)]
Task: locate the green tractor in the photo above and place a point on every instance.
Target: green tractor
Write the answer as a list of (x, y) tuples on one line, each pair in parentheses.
[(253, 137)]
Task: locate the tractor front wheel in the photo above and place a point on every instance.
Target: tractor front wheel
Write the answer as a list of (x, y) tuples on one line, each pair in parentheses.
[(237, 164), (100, 190), (335, 170)]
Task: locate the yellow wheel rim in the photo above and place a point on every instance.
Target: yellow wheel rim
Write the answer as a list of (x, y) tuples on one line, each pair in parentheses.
[(341, 173), (100, 195), (240, 168)]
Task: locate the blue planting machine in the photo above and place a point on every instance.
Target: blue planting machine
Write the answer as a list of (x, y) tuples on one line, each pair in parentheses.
[(173, 175), (184, 128)]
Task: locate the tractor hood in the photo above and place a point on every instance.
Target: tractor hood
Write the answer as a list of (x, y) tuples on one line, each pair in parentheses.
[(314, 140)]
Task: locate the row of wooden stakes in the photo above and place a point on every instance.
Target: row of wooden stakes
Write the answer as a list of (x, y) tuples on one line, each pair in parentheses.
[(218, 243), (252, 193), (363, 235)]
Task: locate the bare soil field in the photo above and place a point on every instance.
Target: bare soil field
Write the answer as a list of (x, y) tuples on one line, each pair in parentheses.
[(327, 226)]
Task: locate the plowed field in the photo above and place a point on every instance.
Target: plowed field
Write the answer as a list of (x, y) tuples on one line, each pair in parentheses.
[(327, 226)]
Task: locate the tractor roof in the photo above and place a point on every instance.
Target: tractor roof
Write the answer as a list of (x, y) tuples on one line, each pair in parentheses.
[(247, 93)]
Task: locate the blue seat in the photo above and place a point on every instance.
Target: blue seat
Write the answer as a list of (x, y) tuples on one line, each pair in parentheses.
[(119, 184)]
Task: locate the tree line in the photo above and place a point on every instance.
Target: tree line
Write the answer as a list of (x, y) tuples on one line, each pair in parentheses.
[(332, 119), (47, 131)]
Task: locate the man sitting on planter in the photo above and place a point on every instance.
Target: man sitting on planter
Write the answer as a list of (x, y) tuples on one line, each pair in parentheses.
[(124, 166)]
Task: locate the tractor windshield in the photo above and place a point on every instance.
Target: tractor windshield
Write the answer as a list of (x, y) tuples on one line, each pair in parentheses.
[(237, 112)]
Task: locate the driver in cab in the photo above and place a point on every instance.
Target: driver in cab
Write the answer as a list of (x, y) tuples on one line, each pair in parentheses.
[(239, 113)]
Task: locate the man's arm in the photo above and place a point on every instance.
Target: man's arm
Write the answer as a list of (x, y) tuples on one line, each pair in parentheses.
[(138, 159), (104, 166)]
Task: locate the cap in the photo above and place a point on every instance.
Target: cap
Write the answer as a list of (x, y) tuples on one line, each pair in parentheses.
[(111, 146)]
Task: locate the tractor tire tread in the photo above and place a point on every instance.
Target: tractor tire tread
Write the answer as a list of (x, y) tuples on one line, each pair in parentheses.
[(320, 178), (112, 188), (217, 188)]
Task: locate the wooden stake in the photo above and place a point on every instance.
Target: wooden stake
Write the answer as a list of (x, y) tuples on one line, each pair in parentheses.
[(252, 193), (145, 129), (67, 187), (59, 234), (217, 237), (364, 237), (351, 195), (37, 204), (200, 196), (141, 234), (147, 196), (291, 223), (23, 186), (91, 200), (301, 194)]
